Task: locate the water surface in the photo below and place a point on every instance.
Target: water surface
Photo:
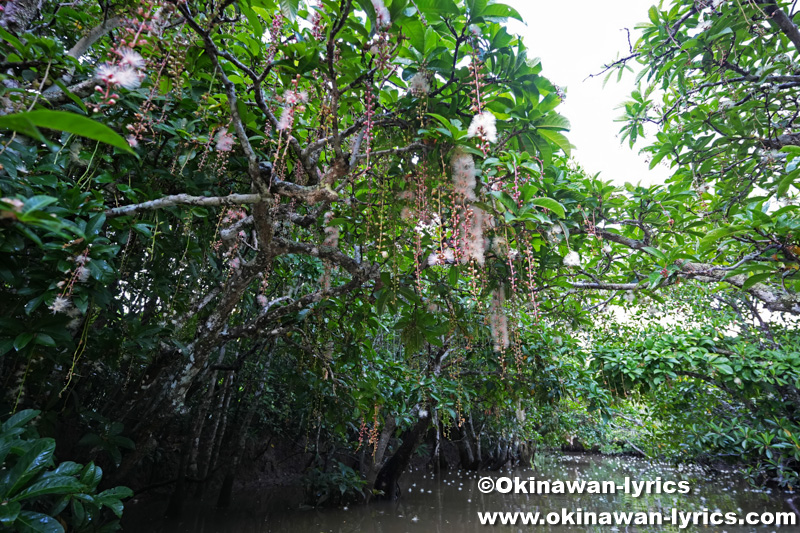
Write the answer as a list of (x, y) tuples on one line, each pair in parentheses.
[(450, 502)]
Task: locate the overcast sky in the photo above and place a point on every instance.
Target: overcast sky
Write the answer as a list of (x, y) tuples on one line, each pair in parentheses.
[(575, 38)]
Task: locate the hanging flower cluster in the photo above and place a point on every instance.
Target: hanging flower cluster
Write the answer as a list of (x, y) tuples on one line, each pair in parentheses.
[(464, 176), (293, 100), (473, 244), (499, 321)]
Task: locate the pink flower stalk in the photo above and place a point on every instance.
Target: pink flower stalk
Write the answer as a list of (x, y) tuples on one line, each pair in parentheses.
[(224, 142), (132, 140), (464, 176), (382, 16), (484, 127), (287, 118)]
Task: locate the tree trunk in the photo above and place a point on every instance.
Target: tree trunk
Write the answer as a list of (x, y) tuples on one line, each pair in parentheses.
[(387, 478), (17, 15)]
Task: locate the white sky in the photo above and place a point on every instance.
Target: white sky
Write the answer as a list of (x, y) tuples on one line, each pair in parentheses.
[(575, 38)]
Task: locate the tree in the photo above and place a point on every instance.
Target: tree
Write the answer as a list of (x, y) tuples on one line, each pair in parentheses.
[(285, 168), (720, 87)]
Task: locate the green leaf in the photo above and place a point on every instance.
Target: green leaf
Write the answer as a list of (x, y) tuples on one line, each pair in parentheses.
[(38, 456), (50, 485), (29, 122), (500, 12), (453, 276), (91, 475), (757, 278), (716, 234), (438, 7), (36, 203), (549, 203), (506, 200), (786, 182), (30, 522), (725, 369), (22, 340), (17, 420), (553, 121), (558, 139), (289, 8), (655, 253), (9, 512), (45, 340)]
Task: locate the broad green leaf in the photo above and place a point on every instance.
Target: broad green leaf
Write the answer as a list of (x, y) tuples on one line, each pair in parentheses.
[(757, 278), (33, 461), (31, 522), (655, 253), (549, 203), (74, 123), (716, 234), (9, 511), (786, 182), (289, 8), (17, 420), (438, 7), (50, 485), (557, 139), (22, 340)]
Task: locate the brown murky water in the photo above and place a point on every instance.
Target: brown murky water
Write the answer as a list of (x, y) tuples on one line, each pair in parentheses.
[(450, 503)]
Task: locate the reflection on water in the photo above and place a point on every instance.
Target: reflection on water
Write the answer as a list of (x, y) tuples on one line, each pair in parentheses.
[(450, 502)]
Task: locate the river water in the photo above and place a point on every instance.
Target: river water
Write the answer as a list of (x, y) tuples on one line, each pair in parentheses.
[(451, 501)]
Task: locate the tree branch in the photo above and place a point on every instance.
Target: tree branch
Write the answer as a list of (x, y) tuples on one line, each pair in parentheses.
[(184, 199)]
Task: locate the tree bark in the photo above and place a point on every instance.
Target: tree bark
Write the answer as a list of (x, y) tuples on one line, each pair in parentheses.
[(17, 15), (386, 481)]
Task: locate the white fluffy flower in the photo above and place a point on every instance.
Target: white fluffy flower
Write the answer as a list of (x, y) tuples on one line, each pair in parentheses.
[(287, 117), (118, 76), (295, 97), (382, 15), (60, 305), (629, 296), (419, 84), (606, 249), (224, 141), (82, 274), (572, 259), (464, 176), (484, 126), (131, 58)]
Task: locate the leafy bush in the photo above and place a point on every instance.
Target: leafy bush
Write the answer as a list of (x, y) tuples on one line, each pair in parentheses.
[(37, 494), (341, 485)]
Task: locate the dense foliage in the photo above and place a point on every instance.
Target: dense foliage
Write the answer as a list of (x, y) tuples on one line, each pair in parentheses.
[(354, 227)]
